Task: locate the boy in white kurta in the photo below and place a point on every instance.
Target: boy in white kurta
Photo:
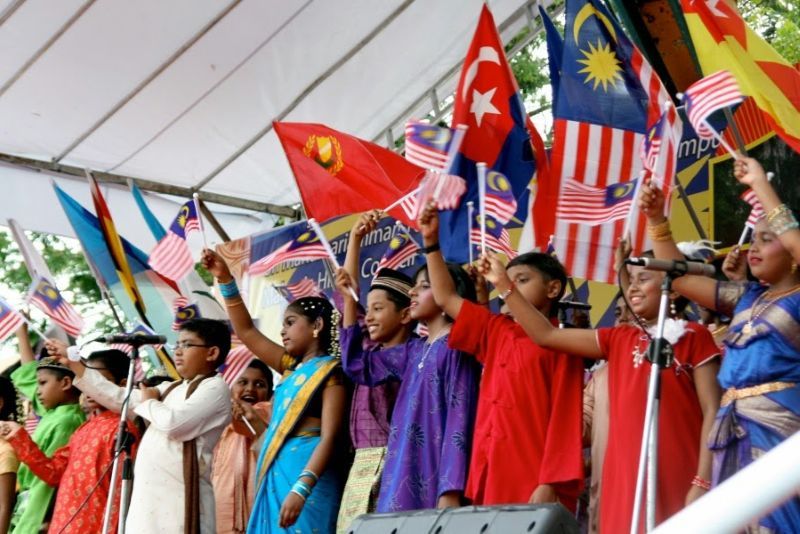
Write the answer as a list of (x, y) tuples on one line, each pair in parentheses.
[(158, 502)]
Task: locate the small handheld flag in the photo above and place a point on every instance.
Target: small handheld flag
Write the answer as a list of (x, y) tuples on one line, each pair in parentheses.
[(44, 295), (427, 145), (306, 287), (171, 257), (10, 320), (331, 256), (585, 204), (500, 201), (183, 310), (707, 95), (304, 247), (236, 362), (401, 248)]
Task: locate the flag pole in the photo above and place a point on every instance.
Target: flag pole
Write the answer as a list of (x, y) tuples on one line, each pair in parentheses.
[(634, 204), (482, 202), (196, 200), (324, 241), (470, 216), (32, 327)]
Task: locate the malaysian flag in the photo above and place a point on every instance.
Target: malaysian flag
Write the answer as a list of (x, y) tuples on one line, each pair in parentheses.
[(500, 201), (497, 237), (44, 295), (450, 190), (756, 209), (305, 247), (707, 95), (401, 248), (585, 204), (10, 320), (427, 145), (171, 257), (182, 311), (660, 147), (236, 362), (597, 145), (306, 287)]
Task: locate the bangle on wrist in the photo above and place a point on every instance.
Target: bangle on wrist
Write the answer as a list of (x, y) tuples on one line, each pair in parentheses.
[(504, 294), (701, 483), (780, 219), (431, 248), (229, 290), (660, 231)]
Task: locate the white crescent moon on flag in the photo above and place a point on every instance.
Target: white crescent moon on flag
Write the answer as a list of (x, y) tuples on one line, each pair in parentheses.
[(486, 53)]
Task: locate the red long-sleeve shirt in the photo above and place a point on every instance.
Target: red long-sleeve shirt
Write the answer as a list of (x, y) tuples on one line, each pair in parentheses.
[(75, 469)]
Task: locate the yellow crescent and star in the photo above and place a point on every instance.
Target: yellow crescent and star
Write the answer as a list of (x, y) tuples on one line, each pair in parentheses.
[(497, 181), (183, 216), (601, 65)]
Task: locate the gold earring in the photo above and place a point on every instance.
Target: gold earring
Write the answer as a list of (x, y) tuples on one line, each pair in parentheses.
[(315, 333)]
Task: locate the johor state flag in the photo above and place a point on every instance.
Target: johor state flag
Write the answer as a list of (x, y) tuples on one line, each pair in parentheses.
[(171, 257), (487, 101), (45, 296), (338, 174), (608, 97)]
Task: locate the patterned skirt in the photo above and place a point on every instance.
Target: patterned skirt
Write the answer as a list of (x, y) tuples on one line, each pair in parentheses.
[(747, 428), (363, 485)]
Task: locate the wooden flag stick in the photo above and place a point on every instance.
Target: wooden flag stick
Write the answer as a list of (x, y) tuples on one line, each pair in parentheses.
[(322, 239), (482, 203)]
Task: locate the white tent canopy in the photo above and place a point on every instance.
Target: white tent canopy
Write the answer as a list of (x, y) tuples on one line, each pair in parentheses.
[(181, 94)]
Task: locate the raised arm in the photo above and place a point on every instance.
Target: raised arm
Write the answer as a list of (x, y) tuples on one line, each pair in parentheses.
[(577, 341), (26, 354), (347, 276), (267, 350), (700, 289), (779, 218), (444, 290)]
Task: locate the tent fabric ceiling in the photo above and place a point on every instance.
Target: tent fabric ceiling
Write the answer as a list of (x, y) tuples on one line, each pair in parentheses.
[(183, 92)]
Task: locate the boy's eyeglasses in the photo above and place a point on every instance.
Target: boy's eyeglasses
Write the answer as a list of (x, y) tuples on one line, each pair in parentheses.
[(185, 345)]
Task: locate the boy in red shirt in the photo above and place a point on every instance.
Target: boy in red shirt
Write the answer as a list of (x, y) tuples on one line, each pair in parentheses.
[(527, 443), (86, 460)]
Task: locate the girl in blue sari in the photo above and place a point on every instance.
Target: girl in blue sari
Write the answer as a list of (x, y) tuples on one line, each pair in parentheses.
[(760, 371), (297, 488)]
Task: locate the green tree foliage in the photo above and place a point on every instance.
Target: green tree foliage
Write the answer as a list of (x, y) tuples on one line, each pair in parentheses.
[(72, 273), (778, 22)]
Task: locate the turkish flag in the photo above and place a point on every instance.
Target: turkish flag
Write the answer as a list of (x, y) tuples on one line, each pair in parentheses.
[(338, 174)]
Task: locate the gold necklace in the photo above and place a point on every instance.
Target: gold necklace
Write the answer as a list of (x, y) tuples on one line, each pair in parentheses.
[(748, 327)]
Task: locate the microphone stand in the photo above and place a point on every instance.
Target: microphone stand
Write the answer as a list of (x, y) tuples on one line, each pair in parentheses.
[(661, 355), (123, 444)]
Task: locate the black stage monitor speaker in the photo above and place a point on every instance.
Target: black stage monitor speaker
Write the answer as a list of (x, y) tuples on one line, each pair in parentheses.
[(525, 518)]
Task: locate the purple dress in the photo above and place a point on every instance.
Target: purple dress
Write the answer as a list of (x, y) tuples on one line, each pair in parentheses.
[(431, 427)]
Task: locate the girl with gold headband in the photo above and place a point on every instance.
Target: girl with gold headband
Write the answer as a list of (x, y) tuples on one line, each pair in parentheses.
[(297, 484), (761, 369)]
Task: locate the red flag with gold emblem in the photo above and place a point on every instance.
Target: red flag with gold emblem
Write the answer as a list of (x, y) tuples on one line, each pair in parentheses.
[(338, 174), (724, 41)]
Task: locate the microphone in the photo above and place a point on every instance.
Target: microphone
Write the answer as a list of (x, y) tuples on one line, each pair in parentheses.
[(133, 339), (674, 267)]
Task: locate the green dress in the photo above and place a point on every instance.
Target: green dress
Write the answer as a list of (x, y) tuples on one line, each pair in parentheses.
[(53, 432)]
